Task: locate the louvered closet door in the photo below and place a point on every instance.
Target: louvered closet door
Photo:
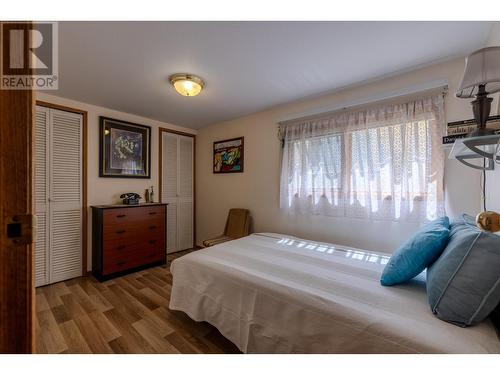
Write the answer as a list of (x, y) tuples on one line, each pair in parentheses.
[(177, 190), (58, 195), (185, 196), (65, 197), (169, 187), (41, 177)]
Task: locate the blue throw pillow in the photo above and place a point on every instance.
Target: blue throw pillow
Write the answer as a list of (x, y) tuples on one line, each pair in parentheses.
[(419, 252)]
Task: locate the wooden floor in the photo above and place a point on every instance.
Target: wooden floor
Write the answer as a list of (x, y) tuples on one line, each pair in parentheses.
[(128, 314)]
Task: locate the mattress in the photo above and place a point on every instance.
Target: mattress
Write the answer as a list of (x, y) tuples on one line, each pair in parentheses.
[(272, 293)]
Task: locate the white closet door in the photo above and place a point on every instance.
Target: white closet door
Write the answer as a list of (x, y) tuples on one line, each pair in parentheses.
[(169, 187), (185, 196), (41, 179), (177, 190), (65, 195)]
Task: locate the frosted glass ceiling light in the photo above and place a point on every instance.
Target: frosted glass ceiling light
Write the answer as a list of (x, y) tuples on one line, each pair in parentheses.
[(187, 84)]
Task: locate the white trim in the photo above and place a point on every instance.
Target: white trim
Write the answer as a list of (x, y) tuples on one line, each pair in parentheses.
[(438, 84)]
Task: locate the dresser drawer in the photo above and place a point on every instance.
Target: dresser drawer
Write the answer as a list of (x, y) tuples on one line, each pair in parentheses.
[(114, 247), (135, 252), (130, 229), (121, 265), (122, 235), (133, 258), (132, 215)]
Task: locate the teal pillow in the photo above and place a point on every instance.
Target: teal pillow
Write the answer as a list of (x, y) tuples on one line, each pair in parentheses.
[(419, 252)]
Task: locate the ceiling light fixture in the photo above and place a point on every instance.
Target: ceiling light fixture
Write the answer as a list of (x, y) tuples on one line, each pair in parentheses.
[(186, 84)]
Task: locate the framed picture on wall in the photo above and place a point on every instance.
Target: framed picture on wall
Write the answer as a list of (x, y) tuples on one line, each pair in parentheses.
[(228, 156), (124, 149)]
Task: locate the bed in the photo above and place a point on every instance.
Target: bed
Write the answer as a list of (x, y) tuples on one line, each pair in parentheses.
[(272, 293)]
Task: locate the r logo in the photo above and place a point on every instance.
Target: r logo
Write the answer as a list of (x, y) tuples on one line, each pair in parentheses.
[(29, 55)]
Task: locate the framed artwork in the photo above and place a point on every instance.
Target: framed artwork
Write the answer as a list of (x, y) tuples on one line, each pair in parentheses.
[(124, 149), (228, 156)]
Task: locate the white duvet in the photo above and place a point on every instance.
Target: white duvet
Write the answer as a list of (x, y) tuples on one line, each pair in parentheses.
[(271, 293)]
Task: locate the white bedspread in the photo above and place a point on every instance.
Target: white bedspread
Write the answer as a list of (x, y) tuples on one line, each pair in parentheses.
[(271, 293)]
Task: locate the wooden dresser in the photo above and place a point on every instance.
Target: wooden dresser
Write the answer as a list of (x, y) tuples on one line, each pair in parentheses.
[(127, 238)]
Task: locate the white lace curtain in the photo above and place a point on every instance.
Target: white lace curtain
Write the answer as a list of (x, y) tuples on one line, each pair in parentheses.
[(384, 162)]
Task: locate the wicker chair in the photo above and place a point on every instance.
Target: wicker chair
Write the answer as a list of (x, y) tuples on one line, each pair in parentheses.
[(237, 226)]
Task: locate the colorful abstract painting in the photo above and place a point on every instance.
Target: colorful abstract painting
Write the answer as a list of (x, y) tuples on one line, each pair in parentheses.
[(228, 156)]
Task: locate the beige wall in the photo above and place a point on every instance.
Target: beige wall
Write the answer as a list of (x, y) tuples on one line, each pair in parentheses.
[(107, 190), (258, 187)]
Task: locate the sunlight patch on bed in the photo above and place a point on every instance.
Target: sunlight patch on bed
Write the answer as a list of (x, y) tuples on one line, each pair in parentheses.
[(366, 256), (322, 248)]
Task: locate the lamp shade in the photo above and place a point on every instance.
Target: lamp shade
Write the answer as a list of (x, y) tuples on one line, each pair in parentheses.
[(482, 67)]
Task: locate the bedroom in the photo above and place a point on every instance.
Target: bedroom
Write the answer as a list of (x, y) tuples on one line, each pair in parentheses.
[(241, 187)]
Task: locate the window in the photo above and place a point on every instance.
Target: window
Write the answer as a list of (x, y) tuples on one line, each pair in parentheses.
[(382, 163)]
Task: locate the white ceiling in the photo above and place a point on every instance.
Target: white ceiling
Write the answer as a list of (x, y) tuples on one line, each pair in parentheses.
[(248, 66)]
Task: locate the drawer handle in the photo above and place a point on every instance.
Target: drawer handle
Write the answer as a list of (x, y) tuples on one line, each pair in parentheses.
[(120, 231), (152, 227), (121, 215), (121, 247), (153, 213), (120, 263), (152, 241)]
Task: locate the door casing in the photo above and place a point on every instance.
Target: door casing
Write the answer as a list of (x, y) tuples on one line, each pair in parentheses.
[(17, 290)]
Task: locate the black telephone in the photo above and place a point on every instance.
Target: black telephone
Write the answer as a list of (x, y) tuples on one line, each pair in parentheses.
[(130, 198)]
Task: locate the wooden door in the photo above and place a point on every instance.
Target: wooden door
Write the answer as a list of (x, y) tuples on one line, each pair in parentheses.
[(16, 210)]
